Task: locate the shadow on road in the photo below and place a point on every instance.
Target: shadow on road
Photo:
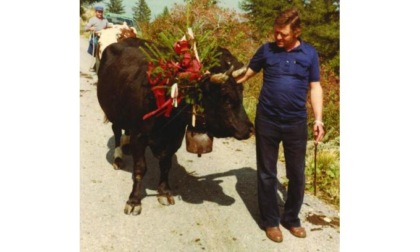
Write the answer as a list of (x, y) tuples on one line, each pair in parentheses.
[(197, 189), (246, 187)]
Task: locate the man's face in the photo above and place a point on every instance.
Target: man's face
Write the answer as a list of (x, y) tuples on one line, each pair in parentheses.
[(99, 14), (285, 37)]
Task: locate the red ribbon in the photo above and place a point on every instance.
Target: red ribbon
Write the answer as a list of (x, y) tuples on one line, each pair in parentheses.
[(188, 68)]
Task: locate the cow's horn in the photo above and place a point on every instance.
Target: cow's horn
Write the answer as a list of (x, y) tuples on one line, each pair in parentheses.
[(221, 78), (134, 30), (229, 72), (239, 72)]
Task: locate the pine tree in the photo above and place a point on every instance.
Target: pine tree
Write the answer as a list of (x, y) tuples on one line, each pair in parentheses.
[(165, 11), (263, 12), (321, 20), (141, 12), (115, 6)]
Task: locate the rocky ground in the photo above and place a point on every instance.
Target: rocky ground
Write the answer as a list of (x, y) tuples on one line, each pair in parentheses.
[(216, 202)]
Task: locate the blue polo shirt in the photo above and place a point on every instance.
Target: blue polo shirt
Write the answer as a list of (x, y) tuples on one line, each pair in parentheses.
[(286, 78)]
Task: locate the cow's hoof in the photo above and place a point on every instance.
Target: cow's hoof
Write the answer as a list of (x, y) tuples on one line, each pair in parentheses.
[(132, 209), (118, 163), (166, 200)]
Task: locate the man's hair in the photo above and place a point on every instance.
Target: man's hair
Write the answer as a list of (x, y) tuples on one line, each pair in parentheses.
[(289, 17)]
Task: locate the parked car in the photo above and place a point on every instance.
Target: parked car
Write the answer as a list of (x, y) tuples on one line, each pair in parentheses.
[(120, 19)]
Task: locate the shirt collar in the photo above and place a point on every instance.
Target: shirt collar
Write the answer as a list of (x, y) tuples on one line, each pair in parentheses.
[(302, 47)]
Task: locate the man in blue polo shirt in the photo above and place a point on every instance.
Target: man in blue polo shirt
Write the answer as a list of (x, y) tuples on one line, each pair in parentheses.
[(290, 70)]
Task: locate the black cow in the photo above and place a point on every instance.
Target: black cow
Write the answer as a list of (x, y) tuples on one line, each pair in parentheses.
[(125, 96)]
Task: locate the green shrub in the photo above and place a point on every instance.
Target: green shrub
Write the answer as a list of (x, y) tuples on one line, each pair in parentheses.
[(327, 171)]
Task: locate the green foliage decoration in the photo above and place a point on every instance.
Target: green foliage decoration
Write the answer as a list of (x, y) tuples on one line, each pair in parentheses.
[(162, 53)]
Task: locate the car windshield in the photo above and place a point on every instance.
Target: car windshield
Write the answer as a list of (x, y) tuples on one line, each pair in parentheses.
[(116, 19)]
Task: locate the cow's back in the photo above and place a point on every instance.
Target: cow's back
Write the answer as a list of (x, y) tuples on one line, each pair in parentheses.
[(123, 89)]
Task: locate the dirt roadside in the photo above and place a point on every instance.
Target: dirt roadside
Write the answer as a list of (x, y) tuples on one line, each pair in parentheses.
[(216, 203)]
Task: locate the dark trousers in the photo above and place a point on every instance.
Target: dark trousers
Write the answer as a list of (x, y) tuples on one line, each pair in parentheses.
[(270, 132), (93, 44)]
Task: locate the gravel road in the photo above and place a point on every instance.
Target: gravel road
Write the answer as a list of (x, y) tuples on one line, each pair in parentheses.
[(215, 196)]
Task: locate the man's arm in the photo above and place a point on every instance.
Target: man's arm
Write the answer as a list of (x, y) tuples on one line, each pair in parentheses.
[(87, 28), (248, 74), (317, 103), (90, 26)]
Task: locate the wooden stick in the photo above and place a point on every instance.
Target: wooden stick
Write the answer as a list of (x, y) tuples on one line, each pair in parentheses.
[(315, 152)]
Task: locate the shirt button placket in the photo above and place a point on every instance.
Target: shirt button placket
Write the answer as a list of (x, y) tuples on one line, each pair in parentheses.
[(287, 65)]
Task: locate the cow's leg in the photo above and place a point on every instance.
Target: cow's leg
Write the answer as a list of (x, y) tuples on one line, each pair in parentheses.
[(172, 141), (138, 147), (125, 142), (117, 163), (164, 191)]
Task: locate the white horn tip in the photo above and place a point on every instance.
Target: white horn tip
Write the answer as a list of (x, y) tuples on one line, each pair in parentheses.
[(239, 72), (219, 78)]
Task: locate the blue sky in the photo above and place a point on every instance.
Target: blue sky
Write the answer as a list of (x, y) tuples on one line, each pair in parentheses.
[(157, 6)]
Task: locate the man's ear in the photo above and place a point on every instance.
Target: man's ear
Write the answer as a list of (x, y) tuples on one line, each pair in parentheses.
[(298, 32)]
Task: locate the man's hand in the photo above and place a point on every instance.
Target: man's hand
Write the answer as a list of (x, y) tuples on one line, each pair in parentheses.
[(242, 76), (318, 131)]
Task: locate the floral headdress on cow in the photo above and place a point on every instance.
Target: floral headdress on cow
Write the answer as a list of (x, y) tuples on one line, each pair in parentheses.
[(175, 69)]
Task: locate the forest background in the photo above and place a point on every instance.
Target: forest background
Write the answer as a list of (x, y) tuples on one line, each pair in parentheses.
[(242, 33)]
